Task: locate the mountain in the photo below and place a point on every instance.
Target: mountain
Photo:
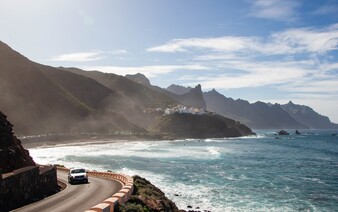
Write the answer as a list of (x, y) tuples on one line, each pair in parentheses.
[(308, 116), (42, 99), (139, 78), (13, 156), (142, 96), (193, 98), (136, 92), (178, 89), (262, 115), (258, 115)]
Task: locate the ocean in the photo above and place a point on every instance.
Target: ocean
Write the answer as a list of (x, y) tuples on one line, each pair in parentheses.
[(254, 173)]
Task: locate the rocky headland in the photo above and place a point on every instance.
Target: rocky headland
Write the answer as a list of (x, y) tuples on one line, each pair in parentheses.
[(147, 197), (12, 154)]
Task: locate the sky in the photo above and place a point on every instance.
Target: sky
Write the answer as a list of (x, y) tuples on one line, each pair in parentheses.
[(268, 50)]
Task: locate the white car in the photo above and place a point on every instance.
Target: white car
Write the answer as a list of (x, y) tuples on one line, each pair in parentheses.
[(77, 175)]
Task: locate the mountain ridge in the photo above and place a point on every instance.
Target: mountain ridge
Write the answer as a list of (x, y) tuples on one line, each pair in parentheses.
[(41, 99), (261, 115)]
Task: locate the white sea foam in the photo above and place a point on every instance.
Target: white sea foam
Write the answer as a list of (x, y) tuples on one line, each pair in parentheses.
[(195, 195), (200, 173), (214, 151)]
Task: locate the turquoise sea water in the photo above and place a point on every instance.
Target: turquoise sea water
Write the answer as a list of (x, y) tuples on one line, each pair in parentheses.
[(258, 173)]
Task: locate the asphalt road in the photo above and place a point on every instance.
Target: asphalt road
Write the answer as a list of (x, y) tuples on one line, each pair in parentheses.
[(75, 198)]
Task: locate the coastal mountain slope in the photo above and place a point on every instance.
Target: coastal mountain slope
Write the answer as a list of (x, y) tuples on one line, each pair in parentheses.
[(193, 97), (139, 90), (136, 91), (43, 99), (308, 116), (142, 96), (260, 115)]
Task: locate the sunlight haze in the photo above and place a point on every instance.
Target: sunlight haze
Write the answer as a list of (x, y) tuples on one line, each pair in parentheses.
[(267, 50)]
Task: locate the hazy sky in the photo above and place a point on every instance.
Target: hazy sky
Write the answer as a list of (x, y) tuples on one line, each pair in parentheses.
[(269, 50)]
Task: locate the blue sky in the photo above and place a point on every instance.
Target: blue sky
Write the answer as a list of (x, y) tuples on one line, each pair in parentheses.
[(267, 50)]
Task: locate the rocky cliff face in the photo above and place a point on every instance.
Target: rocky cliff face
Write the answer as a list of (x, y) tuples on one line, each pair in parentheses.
[(199, 126), (12, 154), (193, 98)]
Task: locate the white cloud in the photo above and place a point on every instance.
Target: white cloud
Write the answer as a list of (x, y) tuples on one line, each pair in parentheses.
[(307, 40), (228, 43), (325, 87), (149, 71), (292, 41), (79, 57), (242, 62), (88, 56), (255, 74), (172, 46), (118, 52), (278, 10)]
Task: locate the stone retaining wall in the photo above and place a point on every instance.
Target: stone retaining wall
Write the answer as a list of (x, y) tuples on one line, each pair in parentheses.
[(120, 197), (26, 185)]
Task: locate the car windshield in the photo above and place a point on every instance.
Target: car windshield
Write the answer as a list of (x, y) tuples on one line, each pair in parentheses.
[(77, 171)]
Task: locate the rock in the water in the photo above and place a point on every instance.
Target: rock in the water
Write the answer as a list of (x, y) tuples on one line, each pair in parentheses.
[(283, 132)]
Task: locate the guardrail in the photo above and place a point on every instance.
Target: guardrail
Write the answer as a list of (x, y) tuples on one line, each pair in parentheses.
[(120, 197)]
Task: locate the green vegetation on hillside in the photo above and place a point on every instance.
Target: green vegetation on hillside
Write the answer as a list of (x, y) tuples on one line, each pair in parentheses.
[(147, 197)]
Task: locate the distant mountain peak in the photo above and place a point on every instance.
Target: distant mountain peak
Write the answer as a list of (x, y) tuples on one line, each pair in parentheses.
[(197, 89), (178, 89), (139, 78)]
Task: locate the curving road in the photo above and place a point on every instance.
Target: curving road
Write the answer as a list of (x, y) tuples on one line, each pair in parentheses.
[(76, 198)]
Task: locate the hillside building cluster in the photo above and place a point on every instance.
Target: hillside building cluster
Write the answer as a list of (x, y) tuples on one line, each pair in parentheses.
[(185, 109)]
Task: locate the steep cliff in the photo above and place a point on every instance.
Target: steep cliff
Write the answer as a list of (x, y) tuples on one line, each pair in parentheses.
[(186, 125), (12, 154)]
